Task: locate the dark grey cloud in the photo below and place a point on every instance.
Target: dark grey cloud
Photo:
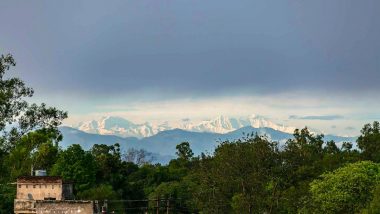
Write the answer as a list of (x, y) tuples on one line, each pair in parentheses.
[(194, 47), (316, 117)]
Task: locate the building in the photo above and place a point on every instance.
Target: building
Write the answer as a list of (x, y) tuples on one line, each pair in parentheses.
[(43, 188), (47, 194)]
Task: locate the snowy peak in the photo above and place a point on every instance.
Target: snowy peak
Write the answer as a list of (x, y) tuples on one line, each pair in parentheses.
[(112, 122), (222, 124), (260, 122), (115, 126)]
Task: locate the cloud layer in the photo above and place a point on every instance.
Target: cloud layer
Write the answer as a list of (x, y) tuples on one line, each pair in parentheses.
[(316, 117), (315, 60), (194, 48)]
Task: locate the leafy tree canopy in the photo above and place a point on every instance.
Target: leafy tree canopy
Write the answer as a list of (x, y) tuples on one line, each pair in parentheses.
[(184, 151), (345, 190), (77, 165), (369, 142), (17, 116)]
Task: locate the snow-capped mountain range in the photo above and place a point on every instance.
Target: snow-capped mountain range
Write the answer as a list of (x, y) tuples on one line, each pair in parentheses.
[(121, 127), (161, 138), (163, 144)]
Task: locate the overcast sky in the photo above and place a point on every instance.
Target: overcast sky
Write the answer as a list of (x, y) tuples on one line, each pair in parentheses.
[(314, 63)]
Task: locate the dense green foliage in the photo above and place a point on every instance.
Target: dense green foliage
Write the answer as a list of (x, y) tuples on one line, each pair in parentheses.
[(250, 175), (345, 189)]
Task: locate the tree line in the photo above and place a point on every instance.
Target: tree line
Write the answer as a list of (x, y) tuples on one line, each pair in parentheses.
[(249, 175)]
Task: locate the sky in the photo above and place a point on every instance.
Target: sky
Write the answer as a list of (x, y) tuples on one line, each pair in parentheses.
[(301, 63)]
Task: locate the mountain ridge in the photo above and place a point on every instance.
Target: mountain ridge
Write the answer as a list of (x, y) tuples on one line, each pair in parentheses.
[(164, 143)]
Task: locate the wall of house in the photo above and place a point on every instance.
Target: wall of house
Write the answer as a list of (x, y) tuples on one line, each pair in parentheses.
[(63, 207), (34, 191), (24, 206)]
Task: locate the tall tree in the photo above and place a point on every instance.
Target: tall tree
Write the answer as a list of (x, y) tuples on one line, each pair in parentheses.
[(369, 142), (76, 165), (302, 162), (184, 151), (16, 111), (34, 150), (18, 119), (240, 177), (138, 156)]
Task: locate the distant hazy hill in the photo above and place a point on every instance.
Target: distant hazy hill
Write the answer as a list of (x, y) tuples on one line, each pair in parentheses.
[(87, 140), (163, 143)]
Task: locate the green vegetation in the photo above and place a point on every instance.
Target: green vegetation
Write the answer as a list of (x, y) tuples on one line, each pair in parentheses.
[(250, 175), (346, 189), (28, 132)]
